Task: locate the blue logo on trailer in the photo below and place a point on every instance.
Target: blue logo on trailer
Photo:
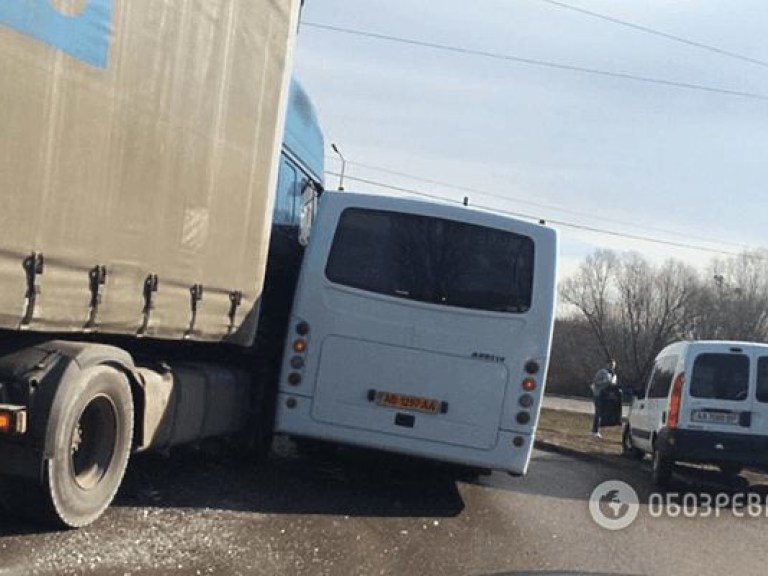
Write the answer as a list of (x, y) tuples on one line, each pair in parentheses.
[(81, 28)]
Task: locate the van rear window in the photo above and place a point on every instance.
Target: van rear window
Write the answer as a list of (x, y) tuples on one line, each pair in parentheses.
[(720, 376), (661, 379), (762, 379), (433, 260)]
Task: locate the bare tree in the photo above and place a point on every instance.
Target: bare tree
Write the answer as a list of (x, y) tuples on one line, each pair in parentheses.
[(633, 308), (590, 291), (656, 307), (735, 304)]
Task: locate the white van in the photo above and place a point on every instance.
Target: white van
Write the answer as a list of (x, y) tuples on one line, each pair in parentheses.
[(705, 402)]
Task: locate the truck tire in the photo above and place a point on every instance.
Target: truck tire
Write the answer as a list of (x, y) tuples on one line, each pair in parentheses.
[(661, 469), (92, 431), (628, 447)]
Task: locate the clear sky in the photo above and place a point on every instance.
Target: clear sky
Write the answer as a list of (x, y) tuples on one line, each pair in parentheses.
[(680, 165)]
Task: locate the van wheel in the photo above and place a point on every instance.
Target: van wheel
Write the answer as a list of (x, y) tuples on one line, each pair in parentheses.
[(92, 426), (661, 469), (628, 447), (730, 468)]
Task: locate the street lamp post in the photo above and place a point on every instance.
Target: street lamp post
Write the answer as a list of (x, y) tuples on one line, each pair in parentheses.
[(343, 166)]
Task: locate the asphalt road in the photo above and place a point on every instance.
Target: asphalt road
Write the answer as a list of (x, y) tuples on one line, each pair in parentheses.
[(366, 513)]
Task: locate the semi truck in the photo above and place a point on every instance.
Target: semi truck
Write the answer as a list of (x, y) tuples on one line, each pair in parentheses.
[(147, 193), (161, 176)]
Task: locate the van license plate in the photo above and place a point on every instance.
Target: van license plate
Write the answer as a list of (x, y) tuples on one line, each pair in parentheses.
[(730, 418), (405, 402)]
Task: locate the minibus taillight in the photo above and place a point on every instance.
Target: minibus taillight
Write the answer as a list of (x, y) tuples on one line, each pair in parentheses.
[(299, 345), (674, 401), (529, 385)]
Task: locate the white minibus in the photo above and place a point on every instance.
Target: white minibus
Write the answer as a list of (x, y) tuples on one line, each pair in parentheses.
[(421, 328)]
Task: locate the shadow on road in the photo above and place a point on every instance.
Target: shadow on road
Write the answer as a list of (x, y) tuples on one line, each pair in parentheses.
[(361, 483), (341, 482), (12, 526), (344, 482)]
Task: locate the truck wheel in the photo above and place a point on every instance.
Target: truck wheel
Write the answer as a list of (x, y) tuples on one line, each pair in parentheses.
[(661, 470), (628, 447), (92, 426)]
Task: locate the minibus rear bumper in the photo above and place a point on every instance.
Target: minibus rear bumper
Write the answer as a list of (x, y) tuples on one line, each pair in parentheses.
[(511, 453)]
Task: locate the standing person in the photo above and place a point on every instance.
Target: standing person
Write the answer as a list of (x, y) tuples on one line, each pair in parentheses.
[(605, 377)]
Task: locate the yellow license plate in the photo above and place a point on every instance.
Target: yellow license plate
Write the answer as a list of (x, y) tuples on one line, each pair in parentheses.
[(405, 402)]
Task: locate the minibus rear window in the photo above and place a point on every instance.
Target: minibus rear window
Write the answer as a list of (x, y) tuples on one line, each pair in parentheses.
[(432, 260), (720, 376)]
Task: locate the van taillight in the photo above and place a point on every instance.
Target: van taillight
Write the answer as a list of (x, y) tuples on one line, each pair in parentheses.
[(674, 401)]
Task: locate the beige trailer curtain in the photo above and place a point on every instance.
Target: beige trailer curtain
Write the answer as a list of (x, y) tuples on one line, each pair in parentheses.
[(142, 137)]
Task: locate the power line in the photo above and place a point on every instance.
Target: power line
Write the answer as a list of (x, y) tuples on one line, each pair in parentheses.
[(566, 224), (540, 63), (397, 188), (563, 223), (647, 30), (531, 202)]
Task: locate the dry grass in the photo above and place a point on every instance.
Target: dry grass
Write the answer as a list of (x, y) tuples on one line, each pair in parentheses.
[(572, 430)]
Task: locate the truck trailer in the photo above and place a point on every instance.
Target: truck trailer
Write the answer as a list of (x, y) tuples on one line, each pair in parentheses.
[(140, 149)]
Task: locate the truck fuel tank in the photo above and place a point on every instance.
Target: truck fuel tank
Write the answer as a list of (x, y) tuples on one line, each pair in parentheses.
[(191, 402)]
